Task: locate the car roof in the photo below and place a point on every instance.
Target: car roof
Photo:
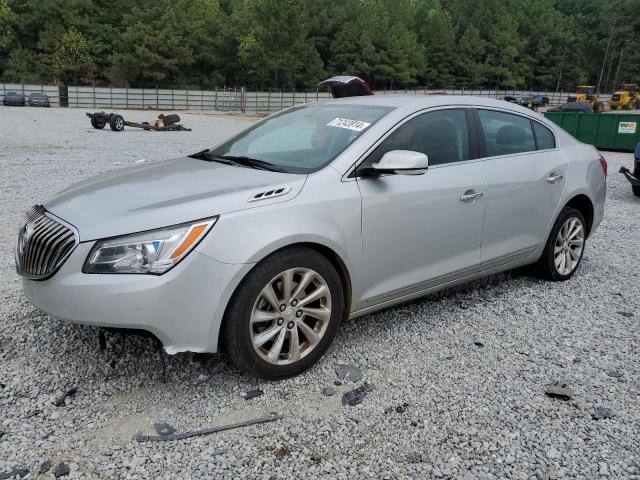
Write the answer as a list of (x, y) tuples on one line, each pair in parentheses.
[(413, 103)]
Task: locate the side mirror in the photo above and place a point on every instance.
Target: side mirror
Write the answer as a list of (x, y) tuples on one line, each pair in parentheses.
[(402, 162)]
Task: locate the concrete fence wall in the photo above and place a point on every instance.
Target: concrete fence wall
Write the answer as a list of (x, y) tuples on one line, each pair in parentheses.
[(227, 99)]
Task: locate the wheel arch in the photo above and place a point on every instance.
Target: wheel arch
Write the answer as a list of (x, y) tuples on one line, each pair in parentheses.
[(584, 205), (329, 253)]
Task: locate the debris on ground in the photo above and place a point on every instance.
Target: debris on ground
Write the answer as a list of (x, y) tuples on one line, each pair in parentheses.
[(48, 434), (615, 374), (207, 431), (33, 413), (281, 452), (601, 413), (354, 397), (163, 428), (62, 470), (16, 472), (117, 123), (249, 394), (61, 401), (348, 372), (45, 467), (560, 391), (478, 343), (402, 408), (328, 391), (626, 314)]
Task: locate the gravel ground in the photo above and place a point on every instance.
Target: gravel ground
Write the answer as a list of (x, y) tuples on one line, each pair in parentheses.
[(458, 379)]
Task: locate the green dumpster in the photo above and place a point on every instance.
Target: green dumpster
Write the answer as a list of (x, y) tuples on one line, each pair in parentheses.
[(608, 131)]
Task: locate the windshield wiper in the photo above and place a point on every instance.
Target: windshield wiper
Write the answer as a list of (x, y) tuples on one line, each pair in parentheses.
[(251, 162), (237, 160)]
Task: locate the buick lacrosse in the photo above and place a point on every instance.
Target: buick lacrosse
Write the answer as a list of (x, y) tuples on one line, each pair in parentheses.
[(264, 243)]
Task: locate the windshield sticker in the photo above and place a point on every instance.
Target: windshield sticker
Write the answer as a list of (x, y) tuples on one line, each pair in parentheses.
[(356, 125)]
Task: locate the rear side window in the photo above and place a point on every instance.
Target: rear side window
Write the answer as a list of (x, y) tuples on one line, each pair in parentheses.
[(441, 135), (544, 137), (505, 133)]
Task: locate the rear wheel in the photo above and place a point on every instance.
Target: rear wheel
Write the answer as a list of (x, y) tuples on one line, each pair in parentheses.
[(563, 252), (614, 107), (628, 106), (284, 315), (116, 123), (97, 123), (636, 191)]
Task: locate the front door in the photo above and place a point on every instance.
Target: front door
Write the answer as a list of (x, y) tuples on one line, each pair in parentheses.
[(421, 229)]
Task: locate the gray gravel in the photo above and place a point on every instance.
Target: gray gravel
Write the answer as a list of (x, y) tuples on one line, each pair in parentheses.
[(458, 379)]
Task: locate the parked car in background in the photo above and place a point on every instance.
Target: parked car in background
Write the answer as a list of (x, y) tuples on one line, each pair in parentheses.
[(578, 107), (13, 99), (39, 99), (540, 100), (342, 86), (263, 244), (527, 102)]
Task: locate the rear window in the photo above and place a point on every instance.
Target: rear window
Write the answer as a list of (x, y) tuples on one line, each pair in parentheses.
[(544, 137), (505, 133)]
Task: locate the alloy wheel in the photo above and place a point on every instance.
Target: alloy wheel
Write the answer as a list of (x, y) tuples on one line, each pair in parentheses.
[(290, 316), (568, 246)]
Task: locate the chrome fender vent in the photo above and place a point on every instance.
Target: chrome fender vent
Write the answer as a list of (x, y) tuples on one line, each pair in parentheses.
[(276, 192)]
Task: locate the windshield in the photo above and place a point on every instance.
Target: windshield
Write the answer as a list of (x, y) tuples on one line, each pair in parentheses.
[(302, 139)]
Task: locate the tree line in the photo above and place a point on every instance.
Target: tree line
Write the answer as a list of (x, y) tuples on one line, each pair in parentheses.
[(286, 44)]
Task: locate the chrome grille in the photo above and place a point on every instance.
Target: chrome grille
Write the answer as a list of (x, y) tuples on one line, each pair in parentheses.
[(44, 243)]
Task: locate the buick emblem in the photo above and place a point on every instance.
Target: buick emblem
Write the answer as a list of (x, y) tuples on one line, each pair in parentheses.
[(26, 232)]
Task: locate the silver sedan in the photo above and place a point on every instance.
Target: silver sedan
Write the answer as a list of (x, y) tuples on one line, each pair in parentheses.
[(265, 243)]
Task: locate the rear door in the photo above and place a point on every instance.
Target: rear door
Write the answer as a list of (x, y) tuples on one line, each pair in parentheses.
[(526, 175), (423, 229)]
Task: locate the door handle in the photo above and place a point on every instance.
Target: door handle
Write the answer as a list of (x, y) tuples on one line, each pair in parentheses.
[(554, 178), (470, 195)]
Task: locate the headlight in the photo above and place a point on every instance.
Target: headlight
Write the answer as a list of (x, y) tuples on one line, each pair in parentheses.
[(154, 252)]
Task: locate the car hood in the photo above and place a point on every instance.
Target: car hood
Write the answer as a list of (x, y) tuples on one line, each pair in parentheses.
[(166, 193)]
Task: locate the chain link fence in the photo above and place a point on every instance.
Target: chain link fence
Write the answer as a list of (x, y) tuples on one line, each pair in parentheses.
[(226, 99)]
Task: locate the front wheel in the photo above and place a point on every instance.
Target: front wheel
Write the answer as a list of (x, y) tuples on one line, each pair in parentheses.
[(116, 123), (284, 315), (564, 248)]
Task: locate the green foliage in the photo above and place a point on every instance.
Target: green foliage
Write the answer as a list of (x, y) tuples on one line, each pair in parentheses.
[(286, 44), (6, 19), (71, 56)]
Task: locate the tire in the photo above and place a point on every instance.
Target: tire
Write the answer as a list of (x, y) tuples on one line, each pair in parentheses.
[(546, 267), (614, 107), (116, 123), (628, 106), (636, 191), (239, 335), (598, 107), (96, 123)]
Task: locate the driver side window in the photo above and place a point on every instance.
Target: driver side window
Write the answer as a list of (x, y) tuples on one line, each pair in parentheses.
[(441, 135)]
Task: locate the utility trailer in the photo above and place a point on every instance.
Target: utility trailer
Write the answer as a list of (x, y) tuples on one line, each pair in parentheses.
[(116, 122)]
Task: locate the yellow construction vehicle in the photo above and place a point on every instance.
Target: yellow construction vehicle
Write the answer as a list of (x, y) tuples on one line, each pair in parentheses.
[(586, 94), (627, 97)]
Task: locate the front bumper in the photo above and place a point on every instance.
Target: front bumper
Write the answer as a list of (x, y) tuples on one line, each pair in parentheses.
[(183, 308)]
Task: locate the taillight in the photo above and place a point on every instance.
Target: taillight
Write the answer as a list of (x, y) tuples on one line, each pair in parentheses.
[(603, 164)]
